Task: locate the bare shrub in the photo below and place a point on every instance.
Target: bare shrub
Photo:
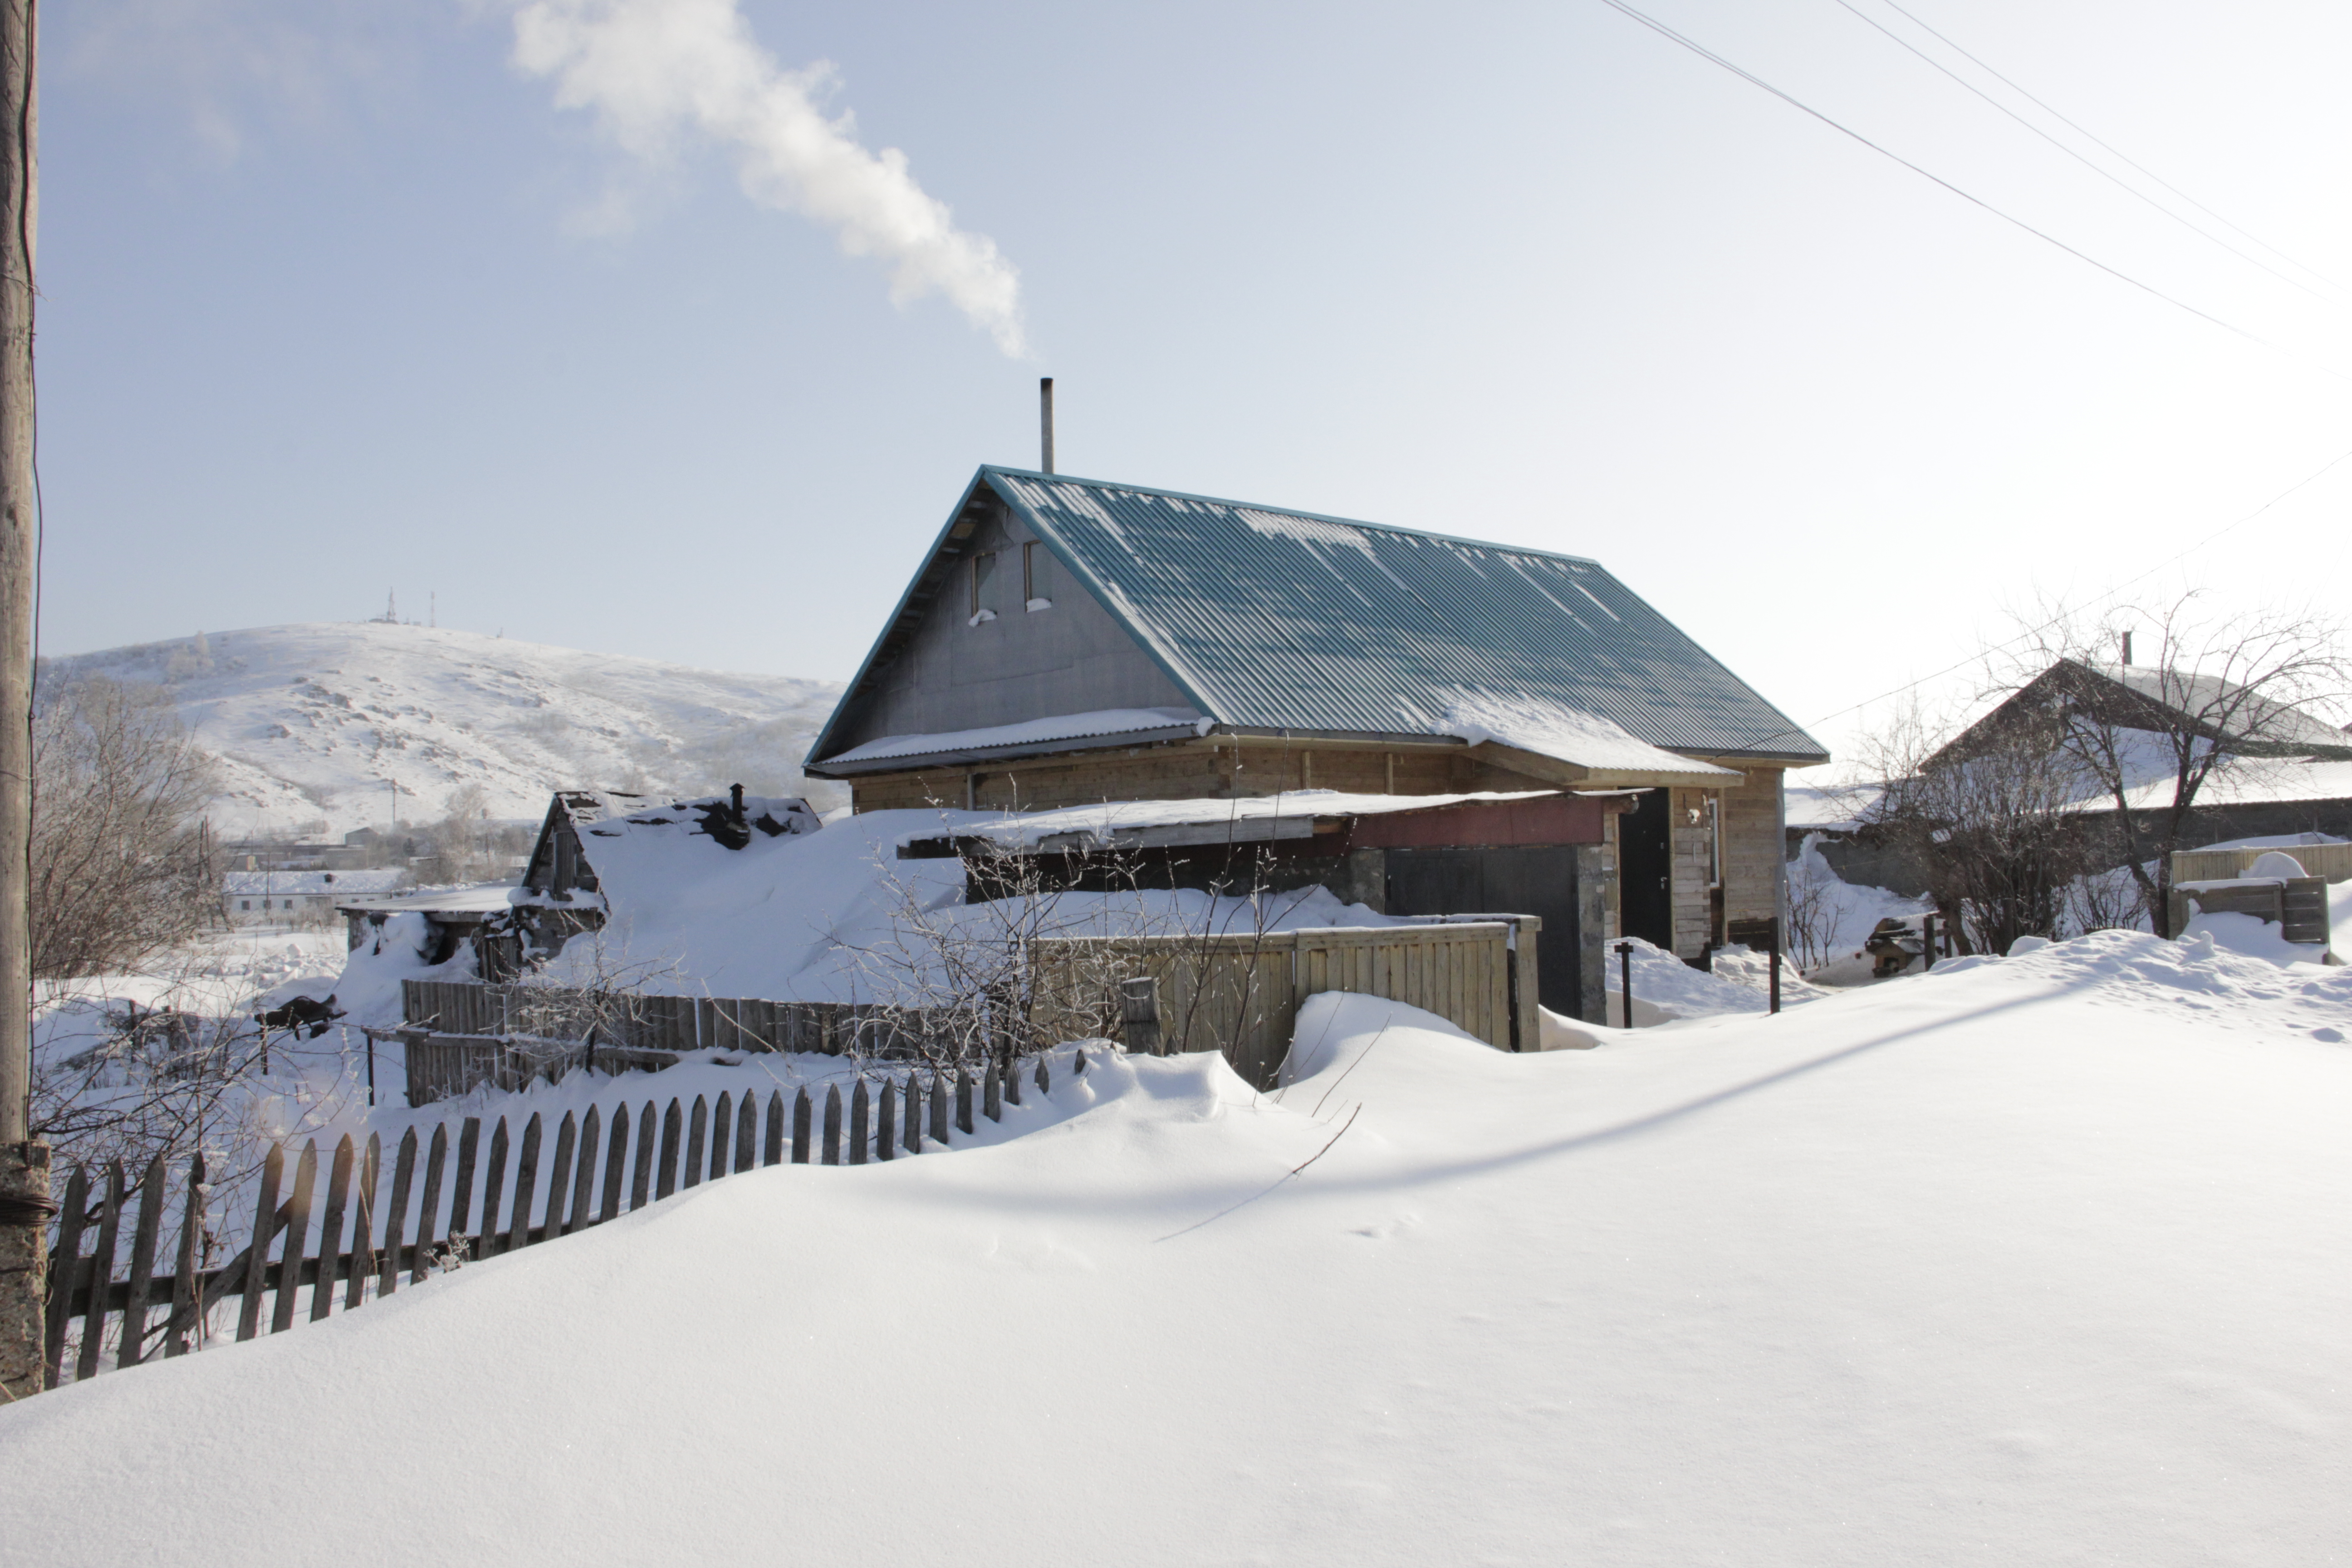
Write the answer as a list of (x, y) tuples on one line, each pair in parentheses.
[(121, 871)]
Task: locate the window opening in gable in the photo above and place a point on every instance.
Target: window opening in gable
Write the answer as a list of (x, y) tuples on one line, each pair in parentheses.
[(1035, 577), (983, 586)]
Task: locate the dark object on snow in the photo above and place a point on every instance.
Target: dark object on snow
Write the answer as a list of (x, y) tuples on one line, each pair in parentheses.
[(300, 1013), (1893, 942)]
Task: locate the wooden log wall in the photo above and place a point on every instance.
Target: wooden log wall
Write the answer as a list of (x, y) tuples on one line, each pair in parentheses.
[(363, 1231)]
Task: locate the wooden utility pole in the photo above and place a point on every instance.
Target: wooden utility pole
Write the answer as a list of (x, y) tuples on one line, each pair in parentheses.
[(24, 1203)]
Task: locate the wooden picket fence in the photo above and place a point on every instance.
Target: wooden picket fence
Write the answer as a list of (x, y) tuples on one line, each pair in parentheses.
[(362, 1248)]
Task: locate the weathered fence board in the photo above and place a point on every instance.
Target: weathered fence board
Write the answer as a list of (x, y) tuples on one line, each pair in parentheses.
[(338, 1258), (1241, 994)]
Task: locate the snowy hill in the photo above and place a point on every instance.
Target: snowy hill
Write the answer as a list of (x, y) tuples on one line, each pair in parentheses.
[(325, 721)]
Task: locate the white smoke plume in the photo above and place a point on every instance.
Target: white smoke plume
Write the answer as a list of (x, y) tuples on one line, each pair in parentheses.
[(655, 71)]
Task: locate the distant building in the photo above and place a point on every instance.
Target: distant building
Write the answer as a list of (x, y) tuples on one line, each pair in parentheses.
[(278, 898)]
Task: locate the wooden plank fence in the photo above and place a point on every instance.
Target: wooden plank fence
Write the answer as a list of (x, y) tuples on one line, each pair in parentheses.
[(1241, 994), (461, 1036), (371, 1234), (2329, 862)]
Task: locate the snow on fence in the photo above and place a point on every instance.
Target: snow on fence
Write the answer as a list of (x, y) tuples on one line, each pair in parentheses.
[(1241, 994), (170, 1313), (2329, 862)]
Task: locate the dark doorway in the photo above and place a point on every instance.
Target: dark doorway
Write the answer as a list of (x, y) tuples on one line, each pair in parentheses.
[(1540, 881), (1644, 866)]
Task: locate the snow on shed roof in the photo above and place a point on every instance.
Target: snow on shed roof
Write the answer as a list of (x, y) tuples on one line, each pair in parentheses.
[(1274, 619), (1124, 721), (1109, 821)]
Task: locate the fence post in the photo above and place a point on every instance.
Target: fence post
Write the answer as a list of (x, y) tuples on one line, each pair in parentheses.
[(395, 1216), (747, 1134), (1776, 963), (858, 1112), (297, 1237), (722, 1127), (886, 1121), (567, 1136), (991, 1102), (65, 1272), (964, 1098), (914, 1136), (939, 1109), (832, 1124), (526, 1187), (801, 1126), (1927, 942), (364, 1228), (102, 1274), (265, 1226), (771, 1150), (493, 1190), (642, 1173), (330, 1230), (461, 1202), (428, 1214), (1626, 975), (1139, 1016), (182, 1324), (142, 1265), (617, 1164), (666, 1180), (694, 1130)]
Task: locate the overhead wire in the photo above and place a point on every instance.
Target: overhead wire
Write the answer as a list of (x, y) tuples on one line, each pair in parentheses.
[(2075, 126), (1695, 46), (2091, 164), (2175, 559)]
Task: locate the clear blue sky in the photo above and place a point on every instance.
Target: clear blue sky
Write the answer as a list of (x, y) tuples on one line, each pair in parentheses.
[(325, 313)]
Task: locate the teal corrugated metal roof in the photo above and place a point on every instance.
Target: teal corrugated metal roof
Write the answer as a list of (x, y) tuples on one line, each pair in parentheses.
[(1278, 619)]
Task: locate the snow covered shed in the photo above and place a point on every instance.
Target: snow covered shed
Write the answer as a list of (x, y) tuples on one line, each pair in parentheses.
[(1066, 642)]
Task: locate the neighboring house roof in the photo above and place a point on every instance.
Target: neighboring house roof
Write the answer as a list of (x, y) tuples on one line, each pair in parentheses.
[(655, 847), (2145, 698), (312, 884), (1279, 621)]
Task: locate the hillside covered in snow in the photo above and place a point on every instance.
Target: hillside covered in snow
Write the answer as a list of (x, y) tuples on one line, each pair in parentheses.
[(334, 722)]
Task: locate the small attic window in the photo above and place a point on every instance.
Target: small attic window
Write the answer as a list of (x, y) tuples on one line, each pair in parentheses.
[(1035, 574), (983, 586)]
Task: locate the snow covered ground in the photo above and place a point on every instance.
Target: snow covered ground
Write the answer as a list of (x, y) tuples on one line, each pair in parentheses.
[(327, 721), (2041, 1259)]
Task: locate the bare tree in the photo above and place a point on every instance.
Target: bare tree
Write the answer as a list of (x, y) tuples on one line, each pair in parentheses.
[(122, 870), (2206, 690), (1991, 818)]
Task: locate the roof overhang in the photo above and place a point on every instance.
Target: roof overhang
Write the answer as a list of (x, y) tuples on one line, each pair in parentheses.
[(1552, 770)]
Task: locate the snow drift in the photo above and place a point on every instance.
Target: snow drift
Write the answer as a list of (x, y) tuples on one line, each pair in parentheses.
[(2035, 1259)]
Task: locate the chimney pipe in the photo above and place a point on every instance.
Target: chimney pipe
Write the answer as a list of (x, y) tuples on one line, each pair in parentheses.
[(1046, 419), (737, 793), (2127, 648)]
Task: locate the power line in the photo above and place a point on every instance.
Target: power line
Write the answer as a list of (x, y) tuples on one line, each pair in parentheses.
[(2096, 168), (2310, 479), (1707, 54), (2110, 147)]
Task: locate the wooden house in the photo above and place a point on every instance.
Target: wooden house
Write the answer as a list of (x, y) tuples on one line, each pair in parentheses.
[(1066, 642)]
